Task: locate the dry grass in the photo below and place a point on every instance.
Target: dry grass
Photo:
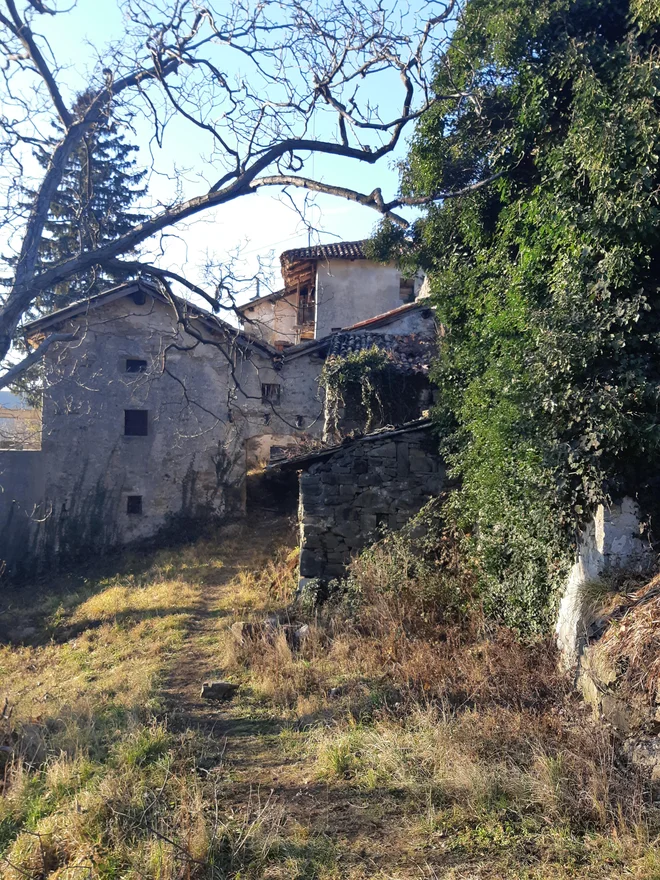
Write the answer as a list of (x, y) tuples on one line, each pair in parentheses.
[(415, 740)]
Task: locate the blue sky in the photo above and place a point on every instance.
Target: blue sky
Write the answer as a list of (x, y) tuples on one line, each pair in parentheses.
[(257, 223)]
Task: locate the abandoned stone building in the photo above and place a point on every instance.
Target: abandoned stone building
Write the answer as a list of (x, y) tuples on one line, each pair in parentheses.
[(155, 410)]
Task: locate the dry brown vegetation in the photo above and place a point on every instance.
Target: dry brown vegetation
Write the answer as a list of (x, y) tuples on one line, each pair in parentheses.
[(398, 736)]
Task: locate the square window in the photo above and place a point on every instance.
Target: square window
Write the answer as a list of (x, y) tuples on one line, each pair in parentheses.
[(270, 393), (136, 365), (136, 422), (134, 504)]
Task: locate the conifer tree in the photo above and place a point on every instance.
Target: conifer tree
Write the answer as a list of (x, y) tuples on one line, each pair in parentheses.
[(92, 206)]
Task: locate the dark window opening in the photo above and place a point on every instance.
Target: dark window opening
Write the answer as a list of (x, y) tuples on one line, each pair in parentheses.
[(266, 418), (134, 504), (135, 365), (139, 297), (299, 421), (407, 289), (270, 393), (136, 422), (306, 306), (335, 329)]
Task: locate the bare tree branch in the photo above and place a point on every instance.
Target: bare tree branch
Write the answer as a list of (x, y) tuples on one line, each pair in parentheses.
[(12, 373), (254, 80)]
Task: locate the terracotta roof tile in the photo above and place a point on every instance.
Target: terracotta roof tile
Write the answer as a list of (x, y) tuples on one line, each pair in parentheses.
[(340, 250), (410, 354)]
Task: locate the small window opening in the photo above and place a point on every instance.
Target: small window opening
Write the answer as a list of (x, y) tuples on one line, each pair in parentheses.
[(306, 306), (406, 289), (266, 418), (139, 297), (136, 365), (134, 504), (335, 329), (299, 421), (270, 393), (136, 422), (382, 520)]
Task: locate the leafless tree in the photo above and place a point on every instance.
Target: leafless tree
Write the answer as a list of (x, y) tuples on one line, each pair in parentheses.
[(268, 83)]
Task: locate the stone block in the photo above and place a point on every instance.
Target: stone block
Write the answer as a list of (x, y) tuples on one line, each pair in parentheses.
[(360, 466), (420, 463), (335, 570), (402, 460), (369, 523), (311, 565), (387, 450)]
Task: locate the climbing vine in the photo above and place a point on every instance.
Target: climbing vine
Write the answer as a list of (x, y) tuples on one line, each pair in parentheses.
[(355, 378), (546, 280)]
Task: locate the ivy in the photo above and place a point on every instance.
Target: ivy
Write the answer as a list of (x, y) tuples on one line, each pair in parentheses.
[(547, 280), (356, 376)]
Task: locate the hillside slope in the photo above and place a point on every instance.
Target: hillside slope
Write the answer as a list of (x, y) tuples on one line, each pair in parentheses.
[(370, 745)]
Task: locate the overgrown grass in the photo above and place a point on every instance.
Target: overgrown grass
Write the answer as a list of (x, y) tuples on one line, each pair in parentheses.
[(415, 740)]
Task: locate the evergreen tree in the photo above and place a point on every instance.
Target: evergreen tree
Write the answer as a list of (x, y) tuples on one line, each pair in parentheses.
[(92, 206)]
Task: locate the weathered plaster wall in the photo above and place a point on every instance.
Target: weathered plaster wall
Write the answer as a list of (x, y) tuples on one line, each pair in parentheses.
[(205, 411), (612, 541), (22, 484), (299, 413), (190, 460), (272, 321), (348, 291), (419, 321), (373, 482)]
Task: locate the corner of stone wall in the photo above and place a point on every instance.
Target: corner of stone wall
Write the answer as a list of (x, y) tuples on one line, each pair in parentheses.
[(611, 542)]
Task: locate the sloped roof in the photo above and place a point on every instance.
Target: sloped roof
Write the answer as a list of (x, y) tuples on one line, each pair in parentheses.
[(379, 321), (300, 462), (409, 353), (275, 295), (338, 250), (84, 307)]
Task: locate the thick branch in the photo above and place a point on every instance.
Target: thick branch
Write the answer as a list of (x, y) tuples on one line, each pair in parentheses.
[(32, 358)]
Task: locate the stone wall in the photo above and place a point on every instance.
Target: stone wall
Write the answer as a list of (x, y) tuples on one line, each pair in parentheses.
[(22, 486), (611, 541), (348, 494)]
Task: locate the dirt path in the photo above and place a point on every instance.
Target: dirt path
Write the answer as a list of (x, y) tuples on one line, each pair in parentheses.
[(365, 826)]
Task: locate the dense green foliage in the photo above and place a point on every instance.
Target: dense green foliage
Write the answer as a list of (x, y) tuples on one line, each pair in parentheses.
[(546, 278)]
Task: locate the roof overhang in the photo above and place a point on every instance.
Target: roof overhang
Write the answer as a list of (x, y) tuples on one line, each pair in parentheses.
[(42, 326)]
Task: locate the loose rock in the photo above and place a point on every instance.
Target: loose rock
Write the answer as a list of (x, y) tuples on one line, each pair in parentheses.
[(218, 690)]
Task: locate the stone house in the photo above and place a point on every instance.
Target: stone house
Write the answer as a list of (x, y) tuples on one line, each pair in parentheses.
[(326, 288), (155, 410)]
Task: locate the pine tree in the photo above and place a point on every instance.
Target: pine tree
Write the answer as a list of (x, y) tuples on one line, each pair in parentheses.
[(92, 206)]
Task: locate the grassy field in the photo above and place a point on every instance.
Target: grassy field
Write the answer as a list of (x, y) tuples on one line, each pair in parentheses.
[(375, 743)]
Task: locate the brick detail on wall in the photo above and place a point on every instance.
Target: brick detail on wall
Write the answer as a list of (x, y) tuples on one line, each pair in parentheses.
[(347, 498)]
